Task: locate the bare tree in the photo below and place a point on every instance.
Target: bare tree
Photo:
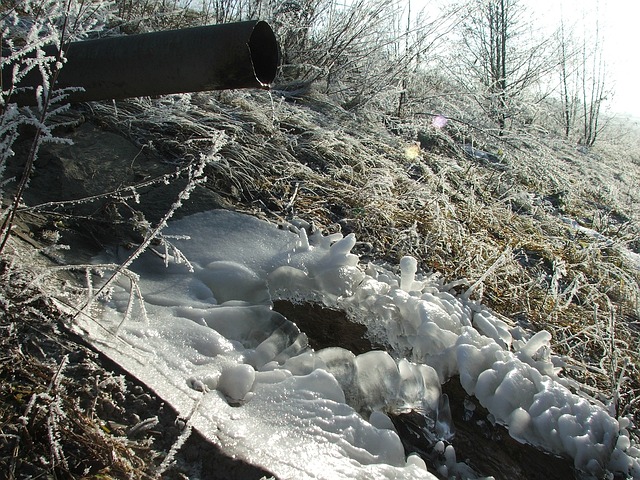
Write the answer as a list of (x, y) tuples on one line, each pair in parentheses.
[(593, 73), (583, 73), (293, 22), (503, 54), (568, 80), (402, 99)]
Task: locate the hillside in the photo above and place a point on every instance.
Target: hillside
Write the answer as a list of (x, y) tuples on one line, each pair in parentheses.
[(544, 234)]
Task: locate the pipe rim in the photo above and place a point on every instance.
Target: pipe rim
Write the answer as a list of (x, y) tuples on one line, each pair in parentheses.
[(264, 53)]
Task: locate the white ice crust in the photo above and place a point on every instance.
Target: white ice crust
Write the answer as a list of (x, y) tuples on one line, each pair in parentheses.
[(243, 375)]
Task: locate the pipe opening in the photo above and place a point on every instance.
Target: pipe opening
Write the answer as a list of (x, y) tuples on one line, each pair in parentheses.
[(243, 55), (263, 49)]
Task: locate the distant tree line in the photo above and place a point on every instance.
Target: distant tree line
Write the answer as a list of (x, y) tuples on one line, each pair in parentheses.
[(489, 54)]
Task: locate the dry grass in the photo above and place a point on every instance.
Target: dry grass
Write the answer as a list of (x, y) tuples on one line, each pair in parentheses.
[(60, 410), (289, 156)]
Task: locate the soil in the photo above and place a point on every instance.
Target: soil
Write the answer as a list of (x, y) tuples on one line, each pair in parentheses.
[(488, 448), (326, 327)]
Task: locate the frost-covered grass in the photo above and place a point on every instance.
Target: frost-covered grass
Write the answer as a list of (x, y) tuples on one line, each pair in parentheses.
[(546, 239), (544, 234), (54, 395)]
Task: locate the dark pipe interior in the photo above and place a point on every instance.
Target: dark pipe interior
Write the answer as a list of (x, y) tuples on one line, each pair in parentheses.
[(263, 48)]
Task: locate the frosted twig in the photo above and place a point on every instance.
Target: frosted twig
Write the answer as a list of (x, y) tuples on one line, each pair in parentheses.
[(499, 261), (143, 426), (182, 438), (196, 175)]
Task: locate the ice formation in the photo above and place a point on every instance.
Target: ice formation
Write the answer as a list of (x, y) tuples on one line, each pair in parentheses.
[(246, 378)]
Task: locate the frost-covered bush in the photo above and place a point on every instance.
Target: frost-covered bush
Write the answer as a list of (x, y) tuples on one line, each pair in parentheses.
[(34, 36)]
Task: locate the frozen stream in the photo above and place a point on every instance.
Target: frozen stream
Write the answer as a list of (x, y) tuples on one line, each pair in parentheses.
[(209, 343)]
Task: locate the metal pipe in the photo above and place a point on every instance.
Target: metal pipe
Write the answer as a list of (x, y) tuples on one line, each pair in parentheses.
[(214, 57)]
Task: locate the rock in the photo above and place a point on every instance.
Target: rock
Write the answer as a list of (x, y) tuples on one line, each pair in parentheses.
[(85, 184)]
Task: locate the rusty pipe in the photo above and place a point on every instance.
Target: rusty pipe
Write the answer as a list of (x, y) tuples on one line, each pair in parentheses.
[(214, 57)]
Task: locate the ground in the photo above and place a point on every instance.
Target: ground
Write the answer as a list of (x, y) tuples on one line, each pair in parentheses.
[(67, 412)]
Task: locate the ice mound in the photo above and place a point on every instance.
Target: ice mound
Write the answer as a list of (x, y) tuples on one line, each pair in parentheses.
[(513, 377), (245, 377), (375, 382)]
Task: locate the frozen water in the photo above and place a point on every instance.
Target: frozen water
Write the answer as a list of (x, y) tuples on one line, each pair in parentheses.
[(378, 380), (246, 378), (231, 281), (408, 269), (236, 381), (444, 421)]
